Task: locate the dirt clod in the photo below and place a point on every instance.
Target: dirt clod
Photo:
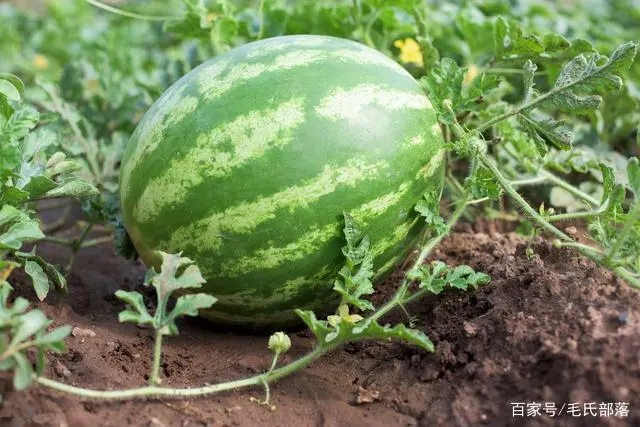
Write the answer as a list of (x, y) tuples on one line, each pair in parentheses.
[(366, 396), (82, 333)]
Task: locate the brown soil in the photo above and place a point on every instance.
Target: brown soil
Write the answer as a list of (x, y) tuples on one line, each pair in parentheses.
[(553, 328)]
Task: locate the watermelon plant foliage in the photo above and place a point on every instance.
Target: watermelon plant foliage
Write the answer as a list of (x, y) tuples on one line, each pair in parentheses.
[(537, 102)]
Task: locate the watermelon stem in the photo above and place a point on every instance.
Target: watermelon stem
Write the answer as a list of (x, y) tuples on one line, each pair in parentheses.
[(154, 378)]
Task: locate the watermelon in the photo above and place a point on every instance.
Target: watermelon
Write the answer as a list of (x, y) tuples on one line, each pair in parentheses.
[(247, 163)]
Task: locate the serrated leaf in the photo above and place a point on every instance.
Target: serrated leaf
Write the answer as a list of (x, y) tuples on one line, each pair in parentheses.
[(427, 208), (482, 183), (40, 279), (344, 331), (529, 70), (510, 41), (188, 305), (139, 314), (354, 279), (550, 131), (462, 88), (583, 77), (169, 279)]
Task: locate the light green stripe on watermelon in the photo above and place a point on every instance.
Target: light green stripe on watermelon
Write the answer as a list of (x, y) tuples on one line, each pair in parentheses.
[(283, 43), (435, 164), (349, 103), (150, 131), (380, 204), (207, 233), (285, 62), (250, 136), (397, 235), (264, 259)]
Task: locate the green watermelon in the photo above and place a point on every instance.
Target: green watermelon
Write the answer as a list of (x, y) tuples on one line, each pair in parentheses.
[(247, 163)]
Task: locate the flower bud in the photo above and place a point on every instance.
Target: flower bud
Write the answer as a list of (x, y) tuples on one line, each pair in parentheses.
[(279, 342)]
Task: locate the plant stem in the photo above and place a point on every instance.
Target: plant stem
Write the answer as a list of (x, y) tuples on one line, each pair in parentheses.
[(133, 15), (167, 392), (519, 200), (157, 355), (632, 217), (533, 103), (261, 13), (455, 216), (589, 253), (509, 71), (570, 188), (529, 181), (77, 244)]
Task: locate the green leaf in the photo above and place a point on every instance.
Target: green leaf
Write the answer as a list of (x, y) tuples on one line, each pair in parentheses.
[(438, 275), (188, 305), (75, 188), (482, 183), (582, 77), (529, 70), (30, 323), (546, 131), (139, 314), (18, 228), (38, 185), (23, 375), (428, 208), (15, 82), (57, 335), (170, 279), (511, 43), (354, 279), (51, 271), (633, 172), (344, 331), (445, 84), (40, 279), (8, 90)]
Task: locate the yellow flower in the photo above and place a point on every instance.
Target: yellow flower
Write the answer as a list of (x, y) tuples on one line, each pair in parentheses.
[(409, 51), (471, 74), (41, 62), (343, 314)]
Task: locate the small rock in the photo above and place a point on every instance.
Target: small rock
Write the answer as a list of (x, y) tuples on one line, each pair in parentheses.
[(155, 422), (233, 409), (82, 333), (111, 346), (571, 231), (61, 369), (366, 396), (623, 317), (470, 329)]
